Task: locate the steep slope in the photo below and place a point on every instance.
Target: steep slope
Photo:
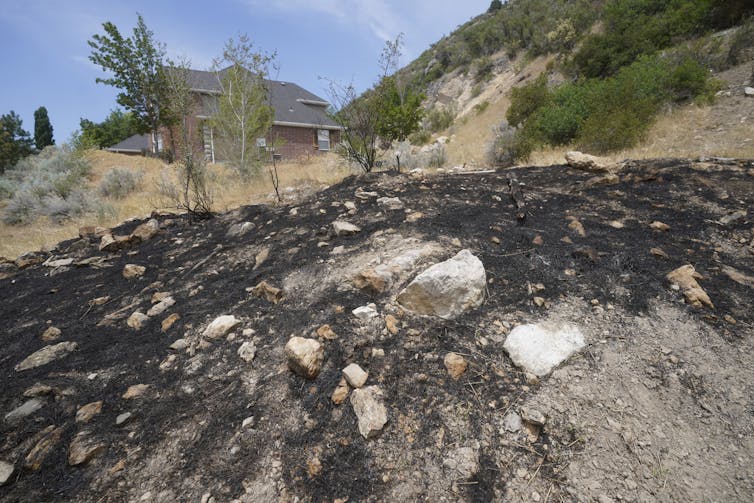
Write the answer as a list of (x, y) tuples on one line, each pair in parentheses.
[(657, 405)]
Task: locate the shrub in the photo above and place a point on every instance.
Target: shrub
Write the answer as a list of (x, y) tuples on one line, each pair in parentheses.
[(479, 108), (438, 119), (420, 137), (508, 146), (119, 182), (526, 100), (437, 157)]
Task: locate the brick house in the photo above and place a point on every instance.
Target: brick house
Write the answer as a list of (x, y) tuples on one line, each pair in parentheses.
[(300, 120)]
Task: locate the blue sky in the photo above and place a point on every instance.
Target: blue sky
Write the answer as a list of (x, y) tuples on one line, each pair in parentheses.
[(45, 54)]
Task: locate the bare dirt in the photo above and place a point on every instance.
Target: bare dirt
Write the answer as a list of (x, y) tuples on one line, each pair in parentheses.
[(658, 407)]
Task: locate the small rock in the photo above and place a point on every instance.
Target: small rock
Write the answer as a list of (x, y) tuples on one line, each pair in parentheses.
[(365, 313), (29, 259), (390, 203), (248, 422), (588, 162), (350, 205), (147, 230), (685, 277), (341, 228), (616, 224), (372, 282), (88, 411), (577, 226), (51, 334), (733, 217), (512, 422), (261, 257), (659, 226), (247, 351), (456, 365), (39, 389), (64, 262), (169, 322), (28, 408), (729, 319), (160, 296), (495, 240), (136, 320), (355, 375), (239, 229), (539, 301), (415, 217), (658, 252), (749, 92), (122, 418), (266, 291), (533, 416), (370, 410), (538, 240), (305, 356), (341, 392), (327, 333), (135, 391), (161, 307), (50, 438), (392, 324), (83, 448), (6, 472), (46, 355), (179, 345), (221, 326)]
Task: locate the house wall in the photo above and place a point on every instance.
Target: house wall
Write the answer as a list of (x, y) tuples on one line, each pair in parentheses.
[(298, 142)]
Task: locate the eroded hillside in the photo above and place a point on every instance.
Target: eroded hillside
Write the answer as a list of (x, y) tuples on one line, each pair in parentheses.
[(155, 407)]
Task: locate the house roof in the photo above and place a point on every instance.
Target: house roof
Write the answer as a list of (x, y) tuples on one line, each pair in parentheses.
[(135, 143), (293, 105)]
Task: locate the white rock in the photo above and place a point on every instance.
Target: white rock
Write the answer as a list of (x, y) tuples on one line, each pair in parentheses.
[(136, 320), (342, 228), (249, 421), (122, 418), (239, 229), (179, 344), (28, 408), (355, 375), (512, 422), (305, 356), (46, 355), (390, 203), (350, 205), (369, 409), (131, 271), (447, 289), (161, 306), (540, 348), (365, 313), (247, 351), (588, 162), (63, 262), (6, 472), (221, 326), (749, 91)]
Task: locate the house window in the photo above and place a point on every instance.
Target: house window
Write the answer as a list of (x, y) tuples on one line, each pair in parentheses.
[(208, 140), (323, 139), (159, 142)]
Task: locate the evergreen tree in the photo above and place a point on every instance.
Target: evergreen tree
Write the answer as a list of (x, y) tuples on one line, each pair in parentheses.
[(42, 129), (495, 6), (15, 143)]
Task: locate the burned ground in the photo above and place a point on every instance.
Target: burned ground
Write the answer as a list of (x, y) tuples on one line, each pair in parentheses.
[(680, 376)]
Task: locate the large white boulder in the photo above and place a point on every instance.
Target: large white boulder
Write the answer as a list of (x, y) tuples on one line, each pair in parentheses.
[(539, 348), (447, 289), (305, 356)]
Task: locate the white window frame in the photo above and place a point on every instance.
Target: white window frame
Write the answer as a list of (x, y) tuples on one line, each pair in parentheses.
[(323, 138)]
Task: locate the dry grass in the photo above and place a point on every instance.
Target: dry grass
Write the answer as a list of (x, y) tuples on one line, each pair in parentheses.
[(229, 192)]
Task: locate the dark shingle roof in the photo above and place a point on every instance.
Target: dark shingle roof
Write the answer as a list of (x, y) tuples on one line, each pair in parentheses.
[(135, 143), (292, 103)]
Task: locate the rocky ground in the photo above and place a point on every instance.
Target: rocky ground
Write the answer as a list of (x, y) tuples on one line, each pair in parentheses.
[(173, 360)]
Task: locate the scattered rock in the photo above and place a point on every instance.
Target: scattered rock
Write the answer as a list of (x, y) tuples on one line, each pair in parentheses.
[(608, 179), (135, 391), (89, 231), (46, 355), (123, 418), (587, 252), (685, 277), (370, 411), (221, 326), (659, 226), (30, 258), (658, 252), (365, 313), (161, 307), (110, 243), (83, 448), (733, 217), (136, 320), (265, 291), (327, 333), (540, 348), (372, 282), (587, 162), (414, 216), (51, 334), (447, 289), (341, 228), (6, 472), (39, 389), (179, 345), (131, 271), (169, 322), (538, 240), (341, 392), (738, 276), (392, 324), (577, 226), (749, 92), (247, 351), (261, 257), (88, 411), (50, 438), (28, 408), (462, 462), (456, 365), (305, 356), (512, 422), (616, 224), (355, 375), (147, 230), (158, 297), (390, 203), (239, 229), (63, 262), (533, 416)]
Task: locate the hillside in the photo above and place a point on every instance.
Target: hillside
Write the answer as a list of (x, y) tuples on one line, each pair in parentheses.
[(119, 386)]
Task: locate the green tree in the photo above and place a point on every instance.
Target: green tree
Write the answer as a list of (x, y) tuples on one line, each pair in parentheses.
[(137, 67), (42, 129), (243, 111), (116, 127), (15, 142), (495, 6)]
